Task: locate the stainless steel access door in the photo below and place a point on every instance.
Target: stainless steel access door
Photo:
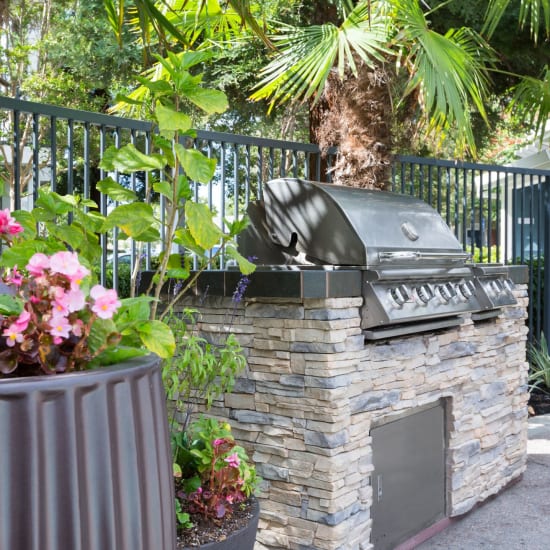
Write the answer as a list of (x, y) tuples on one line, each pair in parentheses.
[(409, 475)]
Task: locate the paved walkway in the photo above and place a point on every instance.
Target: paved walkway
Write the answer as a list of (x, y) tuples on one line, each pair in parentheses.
[(519, 518)]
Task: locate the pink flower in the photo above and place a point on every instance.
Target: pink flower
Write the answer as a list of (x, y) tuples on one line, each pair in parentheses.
[(15, 278), (76, 279), (218, 442), (13, 335), (38, 263), (59, 326), (106, 302), (60, 303), (8, 225), (233, 460), (22, 322), (77, 328), (76, 300), (65, 263)]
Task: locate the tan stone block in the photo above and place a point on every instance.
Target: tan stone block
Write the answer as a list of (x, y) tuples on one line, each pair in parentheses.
[(333, 303), (272, 538), (239, 401)]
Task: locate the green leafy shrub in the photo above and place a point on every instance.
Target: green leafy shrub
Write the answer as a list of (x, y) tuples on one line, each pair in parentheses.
[(539, 365), (488, 256), (213, 474)]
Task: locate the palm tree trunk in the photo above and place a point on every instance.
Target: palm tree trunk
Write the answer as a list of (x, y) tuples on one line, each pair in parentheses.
[(355, 115)]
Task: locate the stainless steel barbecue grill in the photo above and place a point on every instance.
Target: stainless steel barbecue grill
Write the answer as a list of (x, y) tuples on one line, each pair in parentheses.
[(415, 274)]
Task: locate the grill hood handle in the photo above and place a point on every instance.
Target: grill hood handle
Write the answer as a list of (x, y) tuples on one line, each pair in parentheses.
[(416, 255)]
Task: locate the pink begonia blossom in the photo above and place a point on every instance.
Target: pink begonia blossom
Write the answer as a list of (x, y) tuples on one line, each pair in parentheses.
[(38, 263), (15, 278), (77, 328), (233, 460), (59, 326), (106, 302), (60, 303), (76, 278), (22, 322), (218, 442), (13, 335), (8, 225), (65, 263), (76, 300)]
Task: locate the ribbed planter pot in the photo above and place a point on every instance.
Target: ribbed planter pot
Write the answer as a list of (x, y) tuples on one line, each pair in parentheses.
[(85, 461), (243, 539)]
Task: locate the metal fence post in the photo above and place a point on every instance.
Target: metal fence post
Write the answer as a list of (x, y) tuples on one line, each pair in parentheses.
[(546, 225)]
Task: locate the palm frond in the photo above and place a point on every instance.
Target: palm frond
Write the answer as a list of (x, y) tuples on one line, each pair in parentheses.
[(449, 71), (535, 13), (305, 56), (531, 101)]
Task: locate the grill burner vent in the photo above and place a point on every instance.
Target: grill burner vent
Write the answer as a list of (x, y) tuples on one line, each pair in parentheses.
[(414, 269)]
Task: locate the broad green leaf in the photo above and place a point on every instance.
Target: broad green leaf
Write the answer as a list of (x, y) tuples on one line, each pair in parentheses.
[(100, 332), (189, 58), (52, 202), (201, 225), (133, 219), (236, 226), (150, 235), (164, 188), (158, 338), (121, 98), (134, 309), (71, 200), (27, 221), (19, 254), (183, 190), (10, 305), (88, 203), (69, 234), (170, 120), (196, 165), (177, 273), (165, 145), (115, 355), (210, 101), (92, 221), (116, 191), (43, 214), (184, 238), (129, 159), (174, 261), (246, 267), (159, 87)]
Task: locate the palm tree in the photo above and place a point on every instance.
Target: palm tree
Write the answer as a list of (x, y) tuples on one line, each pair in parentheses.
[(368, 63)]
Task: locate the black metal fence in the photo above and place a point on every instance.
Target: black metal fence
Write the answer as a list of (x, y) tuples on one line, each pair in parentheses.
[(499, 214)]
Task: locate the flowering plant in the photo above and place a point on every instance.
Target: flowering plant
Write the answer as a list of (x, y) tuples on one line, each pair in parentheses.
[(53, 322), (213, 474)]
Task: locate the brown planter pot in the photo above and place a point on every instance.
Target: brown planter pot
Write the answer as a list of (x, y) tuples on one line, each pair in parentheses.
[(243, 539), (85, 461)]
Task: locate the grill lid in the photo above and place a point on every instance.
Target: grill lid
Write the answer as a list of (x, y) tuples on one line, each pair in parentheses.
[(340, 225)]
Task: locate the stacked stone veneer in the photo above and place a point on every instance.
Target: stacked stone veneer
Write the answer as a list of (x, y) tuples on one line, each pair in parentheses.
[(313, 388)]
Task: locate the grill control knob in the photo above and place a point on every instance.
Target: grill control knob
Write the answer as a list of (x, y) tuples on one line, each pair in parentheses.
[(465, 290), (445, 292), (424, 293), (400, 294)]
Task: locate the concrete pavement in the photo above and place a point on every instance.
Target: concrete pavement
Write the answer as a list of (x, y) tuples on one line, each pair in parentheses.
[(519, 517)]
